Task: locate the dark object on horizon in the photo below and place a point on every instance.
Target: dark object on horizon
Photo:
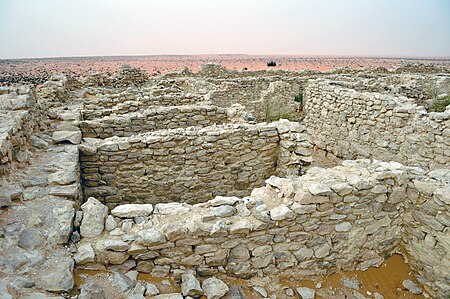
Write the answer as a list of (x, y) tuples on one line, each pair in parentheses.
[(272, 63)]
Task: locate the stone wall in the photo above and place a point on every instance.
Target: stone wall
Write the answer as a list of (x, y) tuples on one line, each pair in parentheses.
[(344, 218), (185, 165), (339, 219), (20, 116), (153, 119), (279, 102), (255, 93), (129, 100), (425, 235), (191, 165), (353, 124), (125, 75), (294, 149), (421, 88), (244, 92)]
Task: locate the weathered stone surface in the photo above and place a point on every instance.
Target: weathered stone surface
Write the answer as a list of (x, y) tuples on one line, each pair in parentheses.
[(171, 208), (151, 290), (73, 137), (91, 290), (319, 189), (61, 277), (114, 245), (94, 215), (351, 283), (223, 211), (110, 223), (412, 287), (190, 286), (303, 254), (260, 291), (306, 293), (343, 227), (31, 238), (214, 288), (62, 224), (281, 212), (222, 200), (4, 293), (169, 296), (85, 254), (239, 254), (132, 210), (150, 237), (322, 250), (124, 282), (22, 282)]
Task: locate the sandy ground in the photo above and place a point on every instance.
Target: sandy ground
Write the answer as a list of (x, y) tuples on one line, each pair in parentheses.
[(386, 280), (155, 65)]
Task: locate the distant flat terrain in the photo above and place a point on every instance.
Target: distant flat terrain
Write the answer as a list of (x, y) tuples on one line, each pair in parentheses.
[(37, 70)]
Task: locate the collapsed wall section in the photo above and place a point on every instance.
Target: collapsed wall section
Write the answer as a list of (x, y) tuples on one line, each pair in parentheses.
[(353, 124), (185, 165)]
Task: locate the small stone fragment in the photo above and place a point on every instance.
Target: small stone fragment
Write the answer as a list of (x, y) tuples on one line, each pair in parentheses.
[(91, 290), (412, 287), (306, 293), (214, 288), (351, 283), (190, 286), (260, 291), (132, 210)]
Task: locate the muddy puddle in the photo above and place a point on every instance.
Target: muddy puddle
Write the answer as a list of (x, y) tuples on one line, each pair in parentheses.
[(386, 280)]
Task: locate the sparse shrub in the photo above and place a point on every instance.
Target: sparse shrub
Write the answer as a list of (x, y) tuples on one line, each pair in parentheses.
[(440, 104), (440, 98), (299, 98), (271, 63), (63, 97)]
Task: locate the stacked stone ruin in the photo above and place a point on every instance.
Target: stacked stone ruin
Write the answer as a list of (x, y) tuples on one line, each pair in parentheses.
[(182, 172)]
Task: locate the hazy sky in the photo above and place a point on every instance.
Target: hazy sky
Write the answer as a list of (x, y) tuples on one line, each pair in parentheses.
[(52, 28)]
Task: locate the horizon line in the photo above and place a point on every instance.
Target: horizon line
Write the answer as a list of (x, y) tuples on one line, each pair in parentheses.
[(244, 54)]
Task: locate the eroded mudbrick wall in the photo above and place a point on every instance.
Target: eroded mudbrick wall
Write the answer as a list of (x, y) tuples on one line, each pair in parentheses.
[(353, 124)]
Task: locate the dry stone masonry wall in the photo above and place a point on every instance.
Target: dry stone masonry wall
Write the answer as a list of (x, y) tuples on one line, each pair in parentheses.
[(20, 116), (345, 218), (183, 165), (353, 124), (153, 119), (426, 230), (123, 102)]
